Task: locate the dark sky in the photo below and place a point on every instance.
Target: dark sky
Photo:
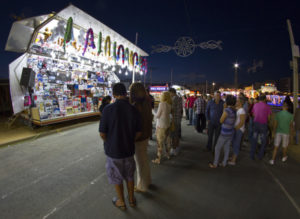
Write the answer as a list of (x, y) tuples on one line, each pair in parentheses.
[(250, 30)]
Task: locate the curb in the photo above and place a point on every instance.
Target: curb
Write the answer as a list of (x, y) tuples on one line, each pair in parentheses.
[(46, 133)]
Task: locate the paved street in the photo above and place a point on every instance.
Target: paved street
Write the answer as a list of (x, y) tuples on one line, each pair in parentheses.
[(63, 176)]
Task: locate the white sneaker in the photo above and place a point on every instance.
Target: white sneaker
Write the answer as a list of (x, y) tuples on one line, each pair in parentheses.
[(284, 158), (271, 162), (172, 152), (231, 163)]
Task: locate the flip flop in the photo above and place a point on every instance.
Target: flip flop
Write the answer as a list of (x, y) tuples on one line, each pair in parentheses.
[(133, 203), (121, 207), (212, 166), (156, 161)]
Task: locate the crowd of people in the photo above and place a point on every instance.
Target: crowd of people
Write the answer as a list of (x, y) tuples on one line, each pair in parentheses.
[(126, 128)]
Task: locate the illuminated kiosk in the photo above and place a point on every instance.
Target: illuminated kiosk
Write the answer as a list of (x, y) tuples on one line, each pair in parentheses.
[(156, 91), (69, 59)]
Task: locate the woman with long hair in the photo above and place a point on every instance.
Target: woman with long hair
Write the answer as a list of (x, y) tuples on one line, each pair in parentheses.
[(163, 125), (138, 98)]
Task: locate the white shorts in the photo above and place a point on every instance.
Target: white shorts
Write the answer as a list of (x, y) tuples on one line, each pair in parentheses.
[(283, 137)]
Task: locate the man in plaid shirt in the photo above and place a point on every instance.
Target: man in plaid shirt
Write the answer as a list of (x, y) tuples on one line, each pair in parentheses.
[(176, 121), (199, 107)]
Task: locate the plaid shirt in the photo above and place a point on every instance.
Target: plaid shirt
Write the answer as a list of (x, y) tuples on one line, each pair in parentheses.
[(200, 105), (176, 108)]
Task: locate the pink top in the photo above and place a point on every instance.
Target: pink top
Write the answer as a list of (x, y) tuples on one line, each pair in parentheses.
[(191, 101), (261, 111)]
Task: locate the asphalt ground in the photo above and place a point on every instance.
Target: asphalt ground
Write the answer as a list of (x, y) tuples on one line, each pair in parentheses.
[(63, 176)]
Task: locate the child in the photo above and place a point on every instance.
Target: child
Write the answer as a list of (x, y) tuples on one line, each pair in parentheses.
[(283, 125), (227, 120)]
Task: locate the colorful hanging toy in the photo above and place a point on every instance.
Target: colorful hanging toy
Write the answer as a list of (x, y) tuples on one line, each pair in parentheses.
[(130, 58), (144, 65), (107, 46), (127, 55), (115, 51), (99, 43), (121, 48), (89, 40), (135, 55), (69, 32)]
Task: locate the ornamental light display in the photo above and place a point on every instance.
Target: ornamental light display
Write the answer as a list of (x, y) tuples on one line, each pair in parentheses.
[(185, 46)]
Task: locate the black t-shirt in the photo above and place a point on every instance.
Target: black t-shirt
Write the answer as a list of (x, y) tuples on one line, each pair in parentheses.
[(120, 122)]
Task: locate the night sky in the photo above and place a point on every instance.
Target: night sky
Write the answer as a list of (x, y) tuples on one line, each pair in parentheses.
[(250, 30)]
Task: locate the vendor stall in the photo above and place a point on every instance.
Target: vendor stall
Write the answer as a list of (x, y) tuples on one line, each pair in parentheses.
[(70, 62), (156, 91)]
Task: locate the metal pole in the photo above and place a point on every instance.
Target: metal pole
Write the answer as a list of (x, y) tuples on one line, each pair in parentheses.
[(171, 76), (295, 67), (235, 78)]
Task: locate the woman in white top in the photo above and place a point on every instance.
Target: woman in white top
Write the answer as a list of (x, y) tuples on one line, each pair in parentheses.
[(239, 130), (162, 124)]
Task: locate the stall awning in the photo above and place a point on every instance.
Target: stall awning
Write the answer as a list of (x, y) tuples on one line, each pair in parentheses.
[(22, 31)]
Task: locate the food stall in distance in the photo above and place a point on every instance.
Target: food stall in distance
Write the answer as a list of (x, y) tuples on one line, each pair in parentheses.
[(156, 91), (69, 60)]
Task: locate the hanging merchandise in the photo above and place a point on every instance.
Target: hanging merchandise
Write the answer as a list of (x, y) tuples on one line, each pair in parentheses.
[(115, 51), (127, 55), (107, 46), (121, 48), (130, 58), (89, 40), (69, 32), (99, 43), (144, 65), (140, 61), (135, 55)]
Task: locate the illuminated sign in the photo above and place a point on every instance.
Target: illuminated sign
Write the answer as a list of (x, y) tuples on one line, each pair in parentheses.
[(158, 88)]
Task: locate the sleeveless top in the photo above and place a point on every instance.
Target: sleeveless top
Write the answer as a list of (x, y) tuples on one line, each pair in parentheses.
[(227, 128)]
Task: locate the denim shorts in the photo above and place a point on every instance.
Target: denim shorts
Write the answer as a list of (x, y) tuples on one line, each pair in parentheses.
[(120, 169)]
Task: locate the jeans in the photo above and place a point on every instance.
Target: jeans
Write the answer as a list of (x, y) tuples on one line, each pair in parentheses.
[(223, 141), (187, 114), (236, 142), (191, 112), (250, 129), (259, 129), (200, 122), (213, 130)]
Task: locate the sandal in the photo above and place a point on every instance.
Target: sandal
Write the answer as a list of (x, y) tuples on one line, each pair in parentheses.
[(133, 203), (156, 161), (138, 190), (122, 207), (212, 166)]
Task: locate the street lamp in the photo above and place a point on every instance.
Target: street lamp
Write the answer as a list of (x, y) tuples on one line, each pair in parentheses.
[(236, 66), (213, 84)]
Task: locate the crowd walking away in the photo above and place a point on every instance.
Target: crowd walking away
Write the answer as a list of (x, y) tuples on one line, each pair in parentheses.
[(227, 122)]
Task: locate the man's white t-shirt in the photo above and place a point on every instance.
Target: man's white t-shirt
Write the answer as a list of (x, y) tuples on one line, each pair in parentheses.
[(240, 111), (95, 91)]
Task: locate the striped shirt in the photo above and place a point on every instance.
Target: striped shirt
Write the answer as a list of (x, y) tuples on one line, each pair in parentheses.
[(227, 128), (200, 105)]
